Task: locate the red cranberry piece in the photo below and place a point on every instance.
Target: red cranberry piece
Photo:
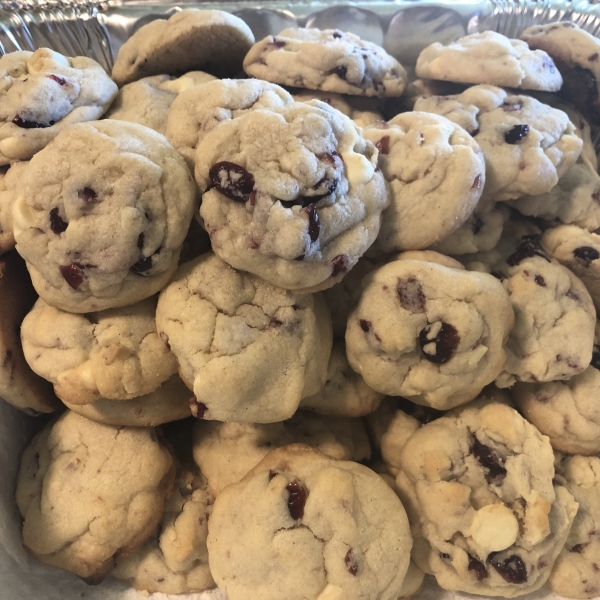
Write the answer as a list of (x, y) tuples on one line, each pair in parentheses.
[(586, 254), (58, 79), (87, 195), (477, 568), (198, 408), (351, 563), (330, 157), (341, 72), (232, 181), (411, 295), (528, 248), (516, 134), (337, 35), (383, 145), (365, 325), (446, 341), (512, 569), (277, 43), (488, 459), (340, 265), (73, 275), (57, 224), (24, 124), (314, 228), (297, 499), (540, 280)]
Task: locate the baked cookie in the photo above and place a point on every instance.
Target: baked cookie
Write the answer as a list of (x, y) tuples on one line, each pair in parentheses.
[(300, 218), (90, 494), (329, 60), (435, 172), (575, 572), (490, 58), (42, 93), (429, 333), (8, 182), (250, 351), (19, 385), (197, 111), (191, 40), (148, 100), (298, 544), (490, 520), (225, 452), (579, 251), (175, 559), (114, 354), (577, 55), (100, 215)]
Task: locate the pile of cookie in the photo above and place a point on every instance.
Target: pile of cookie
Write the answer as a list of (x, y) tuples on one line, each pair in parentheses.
[(318, 331)]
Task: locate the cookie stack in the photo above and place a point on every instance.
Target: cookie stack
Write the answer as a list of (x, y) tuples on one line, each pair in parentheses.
[(230, 274)]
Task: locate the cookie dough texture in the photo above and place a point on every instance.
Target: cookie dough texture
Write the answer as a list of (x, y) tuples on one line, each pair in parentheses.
[(528, 146), (90, 494), (175, 559), (298, 543), (19, 385), (225, 452), (327, 60), (100, 215), (490, 58), (8, 183), (292, 195), (435, 172), (490, 520), (191, 40), (197, 111), (250, 351), (429, 333), (42, 93)]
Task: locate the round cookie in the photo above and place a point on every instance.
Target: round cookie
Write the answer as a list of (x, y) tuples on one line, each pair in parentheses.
[(114, 354), (435, 173), (298, 544), (191, 40), (300, 218), (148, 100), (329, 60), (100, 215), (197, 111), (528, 146), (8, 183), (19, 385), (42, 93), (490, 58), (429, 333), (175, 559), (90, 494), (490, 520), (225, 452), (250, 351)]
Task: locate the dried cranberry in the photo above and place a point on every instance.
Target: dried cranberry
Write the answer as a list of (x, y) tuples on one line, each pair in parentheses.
[(198, 408), (540, 280), (314, 227), (59, 80), (383, 145), (528, 248), (297, 499), (488, 459), (24, 124), (337, 35), (586, 254), (277, 43), (350, 563), (330, 157), (87, 195), (512, 569), (324, 188), (57, 224), (232, 181), (596, 357), (593, 57), (446, 341), (411, 295), (340, 265), (73, 275), (478, 568), (516, 134), (341, 72), (365, 325)]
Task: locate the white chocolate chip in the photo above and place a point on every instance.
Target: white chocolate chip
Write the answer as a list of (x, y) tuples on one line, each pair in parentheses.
[(494, 527)]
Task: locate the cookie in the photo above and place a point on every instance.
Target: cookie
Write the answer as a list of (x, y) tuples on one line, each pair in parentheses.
[(114, 354), (528, 146), (329, 60), (298, 544), (148, 100), (8, 182), (175, 559), (490, 58), (42, 93), (579, 251), (197, 111), (90, 494), (491, 521), (169, 402), (576, 54), (435, 173), (575, 572), (250, 351), (299, 219), (226, 452), (19, 385), (429, 333), (191, 40), (100, 215)]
